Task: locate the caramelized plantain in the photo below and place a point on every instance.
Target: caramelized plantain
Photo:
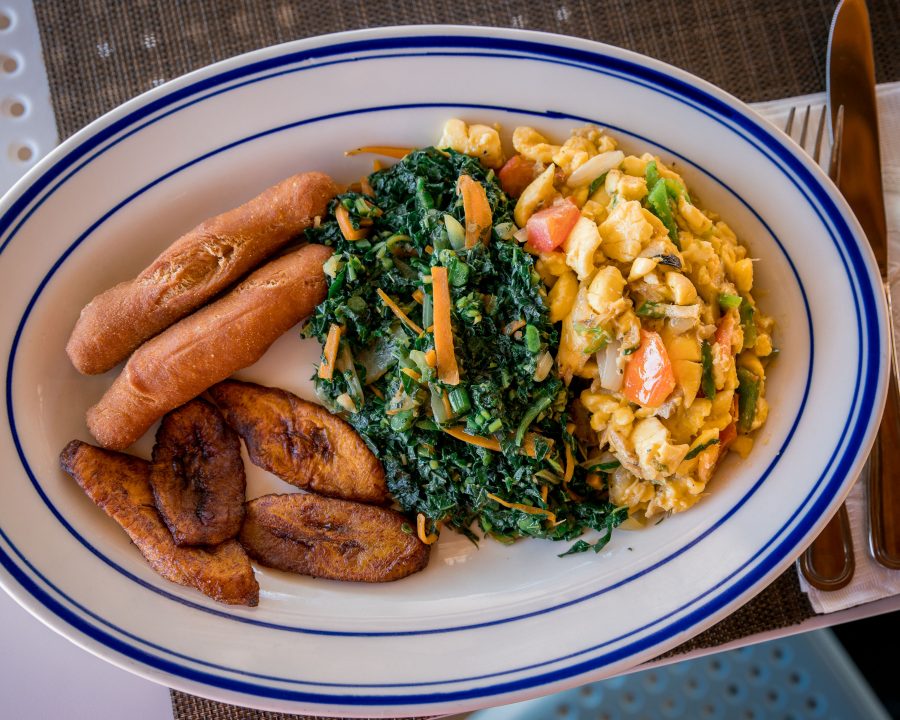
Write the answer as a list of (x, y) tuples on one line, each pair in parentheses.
[(120, 485), (198, 475), (329, 538), (301, 442)]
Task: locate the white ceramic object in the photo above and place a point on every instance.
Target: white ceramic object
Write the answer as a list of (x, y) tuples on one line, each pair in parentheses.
[(477, 627)]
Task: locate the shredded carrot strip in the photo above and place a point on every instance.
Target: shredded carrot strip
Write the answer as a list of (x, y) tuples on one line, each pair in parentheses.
[(429, 249), (411, 373), (326, 368), (448, 371), (570, 464), (420, 531), (395, 308), (545, 490), (460, 434), (431, 358), (376, 392), (528, 444), (394, 152), (366, 187), (524, 508), (513, 326), (419, 296), (490, 443), (350, 233), (445, 399), (377, 165), (477, 210)]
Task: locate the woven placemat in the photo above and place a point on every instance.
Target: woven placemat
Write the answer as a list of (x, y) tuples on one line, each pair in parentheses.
[(100, 53)]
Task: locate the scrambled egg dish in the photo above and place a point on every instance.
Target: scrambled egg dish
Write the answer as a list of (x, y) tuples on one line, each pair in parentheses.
[(653, 294)]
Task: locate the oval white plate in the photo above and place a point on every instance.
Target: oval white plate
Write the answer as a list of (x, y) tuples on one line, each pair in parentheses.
[(477, 627)]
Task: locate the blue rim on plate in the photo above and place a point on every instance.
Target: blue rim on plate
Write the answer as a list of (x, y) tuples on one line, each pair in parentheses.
[(107, 132)]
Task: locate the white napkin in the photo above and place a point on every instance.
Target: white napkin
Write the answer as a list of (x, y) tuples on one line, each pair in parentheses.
[(871, 581)]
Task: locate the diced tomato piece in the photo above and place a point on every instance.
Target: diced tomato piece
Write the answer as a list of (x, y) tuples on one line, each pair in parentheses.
[(725, 330), (516, 175), (649, 379), (548, 228)]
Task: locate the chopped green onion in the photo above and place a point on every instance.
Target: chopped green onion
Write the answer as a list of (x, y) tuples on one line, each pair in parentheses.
[(495, 426), (700, 448), (456, 233), (748, 395), (530, 415), (423, 197), (650, 309), (604, 466), (427, 311), (402, 421), (532, 339), (748, 324), (729, 302), (459, 400), (707, 382), (597, 183)]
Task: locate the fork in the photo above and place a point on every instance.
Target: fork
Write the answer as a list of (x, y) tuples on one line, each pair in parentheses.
[(827, 564)]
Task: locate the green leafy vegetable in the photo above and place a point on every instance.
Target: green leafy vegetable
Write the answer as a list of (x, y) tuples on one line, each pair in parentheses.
[(407, 410)]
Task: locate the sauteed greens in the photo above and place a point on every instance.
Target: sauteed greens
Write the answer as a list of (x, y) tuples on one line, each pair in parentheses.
[(437, 351)]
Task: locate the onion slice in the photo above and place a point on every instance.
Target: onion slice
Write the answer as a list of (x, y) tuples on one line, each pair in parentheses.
[(595, 167)]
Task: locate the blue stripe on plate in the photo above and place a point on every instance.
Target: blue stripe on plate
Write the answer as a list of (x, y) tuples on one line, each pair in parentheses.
[(670, 86)]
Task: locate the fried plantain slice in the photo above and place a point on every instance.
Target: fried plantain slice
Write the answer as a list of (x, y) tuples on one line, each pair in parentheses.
[(301, 442), (330, 538), (120, 485), (198, 475)]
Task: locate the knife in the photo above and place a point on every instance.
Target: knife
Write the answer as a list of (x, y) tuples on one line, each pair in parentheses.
[(851, 84)]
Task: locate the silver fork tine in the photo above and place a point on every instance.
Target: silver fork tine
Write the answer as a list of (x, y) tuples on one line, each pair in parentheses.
[(804, 128), (789, 125)]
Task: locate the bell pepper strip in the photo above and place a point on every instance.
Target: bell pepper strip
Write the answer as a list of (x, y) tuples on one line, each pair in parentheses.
[(649, 379), (350, 233), (329, 354), (516, 175), (448, 371), (727, 436), (658, 204), (477, 209), (748, 390), (547, 229)]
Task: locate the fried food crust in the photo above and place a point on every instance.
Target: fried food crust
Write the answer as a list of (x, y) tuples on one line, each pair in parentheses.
[(301, 442), (197, 475), (329, 538), (120, 485), (195, 268), (208, 346)]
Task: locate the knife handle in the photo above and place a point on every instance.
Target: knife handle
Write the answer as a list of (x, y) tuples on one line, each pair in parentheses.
[(828, 563), (884, 478)]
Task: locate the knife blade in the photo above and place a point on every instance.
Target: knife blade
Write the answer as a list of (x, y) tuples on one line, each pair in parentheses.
[(851, 84)]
